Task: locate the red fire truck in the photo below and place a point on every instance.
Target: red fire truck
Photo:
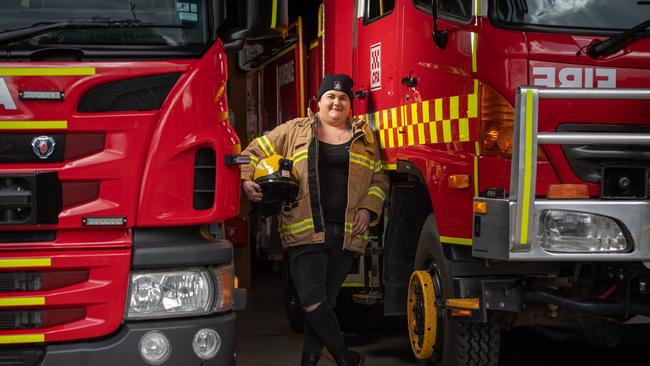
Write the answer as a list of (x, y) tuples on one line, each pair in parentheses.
[(117, 164), (516, 134)]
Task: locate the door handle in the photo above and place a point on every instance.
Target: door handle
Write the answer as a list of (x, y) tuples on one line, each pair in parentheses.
[(411, 82), (360, 94)]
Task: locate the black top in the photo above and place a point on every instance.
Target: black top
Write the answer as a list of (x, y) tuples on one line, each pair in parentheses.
[(333, 167)]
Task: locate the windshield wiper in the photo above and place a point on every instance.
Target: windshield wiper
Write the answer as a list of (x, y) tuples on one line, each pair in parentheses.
[(40, 28), (616, 43)]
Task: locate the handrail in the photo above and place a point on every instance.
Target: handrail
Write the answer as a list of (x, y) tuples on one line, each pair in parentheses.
[(526, 138), (593, 138), (576, 93)]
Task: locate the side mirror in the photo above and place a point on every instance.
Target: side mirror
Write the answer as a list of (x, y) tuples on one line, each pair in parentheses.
[(439, 37), (234, 45), (251, 19)]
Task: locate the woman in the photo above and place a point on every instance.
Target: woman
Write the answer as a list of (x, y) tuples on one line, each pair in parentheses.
[(342, 191)]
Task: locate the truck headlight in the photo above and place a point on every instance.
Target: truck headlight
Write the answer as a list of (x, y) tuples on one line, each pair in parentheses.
[(580, 232), (174, 293)]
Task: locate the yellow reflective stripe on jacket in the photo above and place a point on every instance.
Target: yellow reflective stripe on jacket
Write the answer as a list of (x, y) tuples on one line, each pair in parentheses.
[(299, 155), (266, 146), (377, 192), (374, 165), (254, 161), (361, 160), (349, 228), (388, 166), (298, 227)]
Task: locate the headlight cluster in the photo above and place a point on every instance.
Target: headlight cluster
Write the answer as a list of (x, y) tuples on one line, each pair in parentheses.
[(194, 291), (580, 232)]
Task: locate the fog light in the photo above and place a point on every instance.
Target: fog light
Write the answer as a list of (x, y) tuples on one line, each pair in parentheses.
[(155, 348), (580, 232), (206, 343)]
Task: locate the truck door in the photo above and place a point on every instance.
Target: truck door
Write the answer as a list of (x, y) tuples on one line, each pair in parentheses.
[(438, 78), (377, 60), (440, 99)]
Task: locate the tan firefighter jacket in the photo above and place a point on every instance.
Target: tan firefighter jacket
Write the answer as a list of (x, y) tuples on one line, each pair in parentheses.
[(367, 182)]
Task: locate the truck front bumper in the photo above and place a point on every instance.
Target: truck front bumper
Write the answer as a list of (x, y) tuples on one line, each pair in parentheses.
[(495, 232), (122, 347)]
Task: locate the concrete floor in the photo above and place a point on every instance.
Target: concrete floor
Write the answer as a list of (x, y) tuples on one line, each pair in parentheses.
[(265, 339)]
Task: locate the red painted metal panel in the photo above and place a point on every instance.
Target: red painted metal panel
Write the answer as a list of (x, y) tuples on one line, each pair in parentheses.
[(377, 62), (102, 296), (338, 40), (237, 230), (86, 238), (161, 143), (195, 115), (502, 59), (281, 100), (145, 174), (118, 167), (315, 73)]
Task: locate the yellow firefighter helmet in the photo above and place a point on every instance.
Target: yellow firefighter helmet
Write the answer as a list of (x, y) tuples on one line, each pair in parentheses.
[(276, 177)]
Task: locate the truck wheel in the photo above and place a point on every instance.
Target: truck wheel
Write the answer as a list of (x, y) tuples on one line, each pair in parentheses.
[(436, 339)]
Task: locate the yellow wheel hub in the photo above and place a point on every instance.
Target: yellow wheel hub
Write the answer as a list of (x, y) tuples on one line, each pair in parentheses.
[(422, 314)]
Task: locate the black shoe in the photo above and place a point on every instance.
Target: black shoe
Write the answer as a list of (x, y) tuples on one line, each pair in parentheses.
[(355, 359), (310, 359), (362, 360)]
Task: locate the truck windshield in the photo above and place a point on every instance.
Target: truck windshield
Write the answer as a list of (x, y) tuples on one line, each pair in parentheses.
[(590, 14), (113, 23)]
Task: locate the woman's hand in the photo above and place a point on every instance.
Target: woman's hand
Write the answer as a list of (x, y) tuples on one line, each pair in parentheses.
[(253, 190), (361, 221)]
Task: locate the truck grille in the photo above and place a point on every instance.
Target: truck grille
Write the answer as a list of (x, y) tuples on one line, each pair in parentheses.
[(27, 236), (18, 356), (36, 281), (16, 199), (18, 149), (68, 295), (205, 167), (587, 161), (27, 319), (30, 199)]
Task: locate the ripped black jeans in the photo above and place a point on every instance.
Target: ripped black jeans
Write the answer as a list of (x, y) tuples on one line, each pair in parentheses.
[(317, 271)]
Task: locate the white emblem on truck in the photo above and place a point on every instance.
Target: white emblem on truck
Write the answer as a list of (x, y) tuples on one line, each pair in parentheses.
[(375, 66), (5, 97), (574, 77)]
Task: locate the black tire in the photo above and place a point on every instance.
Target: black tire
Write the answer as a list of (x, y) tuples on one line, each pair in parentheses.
[(457, 343)]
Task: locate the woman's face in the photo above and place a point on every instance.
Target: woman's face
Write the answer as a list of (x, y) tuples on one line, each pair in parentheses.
[(334, 106)]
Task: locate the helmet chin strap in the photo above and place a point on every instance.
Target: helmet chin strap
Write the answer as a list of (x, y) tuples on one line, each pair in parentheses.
[(288, 206)]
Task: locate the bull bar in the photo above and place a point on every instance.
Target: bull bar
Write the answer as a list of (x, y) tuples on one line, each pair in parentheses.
[(508, 230)]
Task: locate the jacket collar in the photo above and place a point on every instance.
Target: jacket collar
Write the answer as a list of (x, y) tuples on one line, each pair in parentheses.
[(359, 126)]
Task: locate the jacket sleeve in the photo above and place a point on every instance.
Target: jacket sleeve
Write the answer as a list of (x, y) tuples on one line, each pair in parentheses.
[(264, 146), (378, 191)]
